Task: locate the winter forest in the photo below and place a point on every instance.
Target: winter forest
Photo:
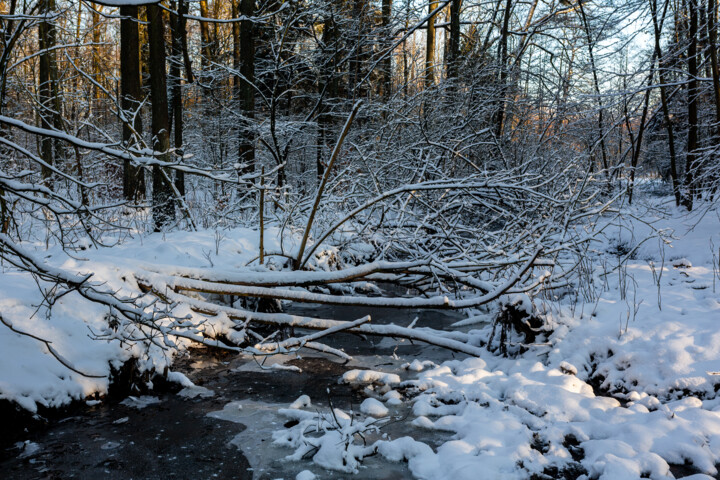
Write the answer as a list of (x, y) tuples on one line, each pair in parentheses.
[(319, 239)]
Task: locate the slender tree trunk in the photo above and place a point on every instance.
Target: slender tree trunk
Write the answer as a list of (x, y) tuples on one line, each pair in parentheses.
[(503, 58), (596, 84), (7, 34), (47, 89), (454, 52), (355, 64), (178, 32), (692, 164), (236, 46), (163, 208), (204, 35), (131, 87), (641, 131), (712, 44), (664, 101), (386, 64), (712, 40), (329, 88), (406, 72), (246, 150), (430, 49), (96, 39)]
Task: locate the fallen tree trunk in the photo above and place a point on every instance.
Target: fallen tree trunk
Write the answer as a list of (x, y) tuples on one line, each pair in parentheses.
[(158, 282), (454, 341)]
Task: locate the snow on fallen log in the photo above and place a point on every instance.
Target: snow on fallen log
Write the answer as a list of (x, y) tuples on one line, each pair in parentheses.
[(248, 290), (440, 339), (279, 279)]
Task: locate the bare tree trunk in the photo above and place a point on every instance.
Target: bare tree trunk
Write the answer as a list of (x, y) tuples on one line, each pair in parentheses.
[(386, 64), (47, 89), (430, 48), (692, 165), (712, 40), (355, 64), (641, 131), (163, 208), (204, 35), (246, 148), (454, 53), (503, 59), (96, 39), (235, 12), (664, 100), (131, 87), (7, 35), (176, 113), (406, 73), (596, 83), (328, 88)]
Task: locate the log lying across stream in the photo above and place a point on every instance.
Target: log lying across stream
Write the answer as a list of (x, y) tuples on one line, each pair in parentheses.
[(174, 287)]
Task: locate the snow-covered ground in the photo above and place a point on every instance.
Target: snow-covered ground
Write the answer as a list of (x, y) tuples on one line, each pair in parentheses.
[(623, 388), (31, 376)]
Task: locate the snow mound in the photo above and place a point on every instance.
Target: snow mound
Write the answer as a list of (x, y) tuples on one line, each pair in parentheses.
[(374, 408), (305, 475), (369, 377)]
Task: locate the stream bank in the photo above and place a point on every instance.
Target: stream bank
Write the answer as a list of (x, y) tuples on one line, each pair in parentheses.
[(182, 435)]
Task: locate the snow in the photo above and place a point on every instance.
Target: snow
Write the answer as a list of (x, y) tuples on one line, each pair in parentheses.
[(196, 391), (418, 365), (31, 376), (28, 448), (623, 387), (305, 475), (303, 401), (181, 378), (393, 398), (368, 377), (140, 402), (373, 407)]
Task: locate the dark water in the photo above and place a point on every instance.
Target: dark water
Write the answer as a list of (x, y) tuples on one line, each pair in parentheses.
[(175, 437)]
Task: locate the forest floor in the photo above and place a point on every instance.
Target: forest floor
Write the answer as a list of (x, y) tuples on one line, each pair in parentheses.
[(623, 385)]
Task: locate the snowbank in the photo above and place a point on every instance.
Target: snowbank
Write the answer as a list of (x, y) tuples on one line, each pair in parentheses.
[(624, 388)]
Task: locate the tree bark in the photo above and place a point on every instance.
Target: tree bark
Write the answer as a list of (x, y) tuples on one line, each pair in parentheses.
[(163, 208), (641, 131), (454, 53), (204, 35), (329, 90), (596, 83), (176, 113), (96, 39), (503, 59), (430, 49), (131, 87), (48, 89), (692, 164), (712, 40), (386, 64), (246, 91), (7, 35), (355, 64), (664, 101)]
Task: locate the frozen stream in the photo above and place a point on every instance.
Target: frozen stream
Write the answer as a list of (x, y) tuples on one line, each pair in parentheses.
[(227, 434)]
